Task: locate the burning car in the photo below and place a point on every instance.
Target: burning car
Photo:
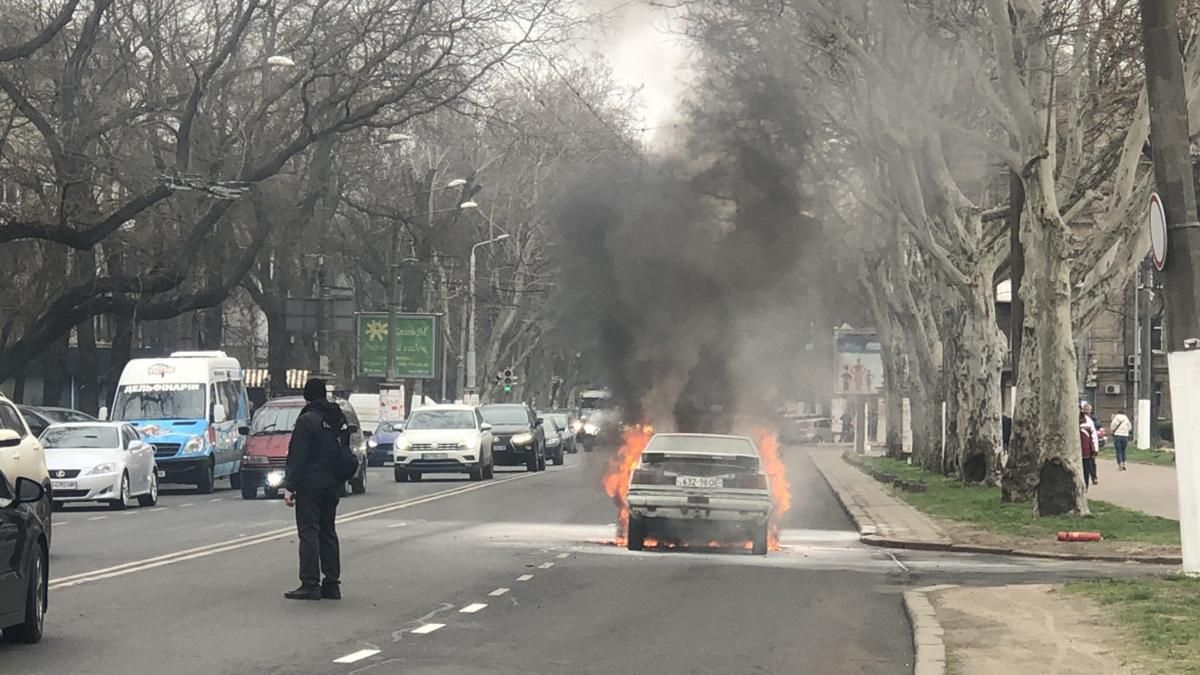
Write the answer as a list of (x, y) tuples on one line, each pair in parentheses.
[(693, 486)]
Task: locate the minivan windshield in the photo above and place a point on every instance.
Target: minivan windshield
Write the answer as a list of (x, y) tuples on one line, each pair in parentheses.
[(56, 438), (159, 402), (441, 419), (505, 414), (275, 419)]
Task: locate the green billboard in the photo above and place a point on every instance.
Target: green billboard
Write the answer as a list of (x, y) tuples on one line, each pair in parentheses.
[(416, 345)]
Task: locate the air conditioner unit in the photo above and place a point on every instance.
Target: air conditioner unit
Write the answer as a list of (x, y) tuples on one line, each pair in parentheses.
[(1112, 389)]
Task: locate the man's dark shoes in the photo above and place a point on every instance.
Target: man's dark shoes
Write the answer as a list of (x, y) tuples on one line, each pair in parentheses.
[(331, 591), (304, 593)]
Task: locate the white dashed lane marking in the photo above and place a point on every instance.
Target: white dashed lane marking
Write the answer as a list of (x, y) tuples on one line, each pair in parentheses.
[(428, 628), (97, 518), (545, 566), (472, 608), (525, 577), (498, 592), (218, 499), (357, 656), (397, 525), (564, 556), (184, 506), (161, 508)]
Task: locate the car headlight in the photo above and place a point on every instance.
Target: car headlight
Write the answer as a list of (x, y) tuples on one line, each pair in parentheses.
[(577, 426), (372, 443), (591, 429), (254, 459), (107, 467), (275, 479), (522, 439), (402, 445), (194, 446)]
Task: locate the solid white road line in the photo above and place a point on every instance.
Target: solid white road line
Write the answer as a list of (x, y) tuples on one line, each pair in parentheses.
[(357, 656), (525, 577), (428, 628), (499, 592), (242, 542), (545, 566), (472, 608), (97, 518)]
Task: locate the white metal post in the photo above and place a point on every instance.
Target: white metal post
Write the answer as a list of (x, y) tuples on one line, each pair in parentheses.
[(471, 326), (1185, 394)]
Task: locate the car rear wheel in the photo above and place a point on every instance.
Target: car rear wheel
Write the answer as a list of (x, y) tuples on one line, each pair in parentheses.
[(205, 486), (30, 631), (400, 474), (249, 489), (636, 540), (151, 497), (759, 544), (235, 480), (122, 500)]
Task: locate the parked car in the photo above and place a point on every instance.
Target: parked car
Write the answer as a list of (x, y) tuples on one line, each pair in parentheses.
[(699, 486), (267, 440), (24, 560), (382, 443), (100, 462), (807, 430), (444, 439), (22, 456), (554, 441), (39, 418), (518, 437), (569, 427)]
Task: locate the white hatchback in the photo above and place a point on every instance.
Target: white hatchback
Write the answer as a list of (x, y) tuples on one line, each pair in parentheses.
[(100, 462)]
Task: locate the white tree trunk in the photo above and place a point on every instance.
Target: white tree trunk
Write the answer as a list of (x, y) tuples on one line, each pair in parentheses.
[(975, 377)]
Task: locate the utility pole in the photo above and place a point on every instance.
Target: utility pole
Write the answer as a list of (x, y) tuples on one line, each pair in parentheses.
[(1145, 357), (1169, 140)]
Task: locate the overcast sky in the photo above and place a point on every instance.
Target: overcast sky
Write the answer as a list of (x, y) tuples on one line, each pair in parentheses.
[(644, 54)]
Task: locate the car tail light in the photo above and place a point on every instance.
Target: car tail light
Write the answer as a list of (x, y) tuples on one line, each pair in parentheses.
[(753, 481)]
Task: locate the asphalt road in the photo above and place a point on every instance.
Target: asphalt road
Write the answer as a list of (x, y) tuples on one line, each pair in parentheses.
[(515, 575)]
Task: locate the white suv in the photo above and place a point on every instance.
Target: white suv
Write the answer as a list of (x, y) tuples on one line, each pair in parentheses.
[(444, 439), (22, 455)]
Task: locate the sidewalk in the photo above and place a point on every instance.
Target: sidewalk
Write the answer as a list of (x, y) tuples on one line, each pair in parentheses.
[(875, 511), (1144, 487)]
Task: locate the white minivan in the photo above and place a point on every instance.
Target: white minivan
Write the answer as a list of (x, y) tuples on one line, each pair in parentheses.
[(191, 407)]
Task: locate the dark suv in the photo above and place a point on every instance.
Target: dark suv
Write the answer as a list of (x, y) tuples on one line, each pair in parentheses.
[(517, 435)]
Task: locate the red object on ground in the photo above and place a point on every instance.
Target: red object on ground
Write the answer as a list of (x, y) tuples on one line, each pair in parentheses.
[(1079, 536)]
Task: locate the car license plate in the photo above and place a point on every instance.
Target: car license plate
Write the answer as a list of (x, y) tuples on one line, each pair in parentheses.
[(698, 481), (502, 447), (161, 473), (434, 455), (63, 484)]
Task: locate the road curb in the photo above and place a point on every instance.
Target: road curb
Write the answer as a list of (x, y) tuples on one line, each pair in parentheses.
[(929, 648), (868, 534)]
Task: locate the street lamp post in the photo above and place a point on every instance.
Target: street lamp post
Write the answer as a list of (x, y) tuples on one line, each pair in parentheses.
[(471, 373)]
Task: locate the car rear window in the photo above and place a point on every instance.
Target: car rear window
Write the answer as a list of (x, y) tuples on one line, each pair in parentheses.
[(509, 414), (725, 445)]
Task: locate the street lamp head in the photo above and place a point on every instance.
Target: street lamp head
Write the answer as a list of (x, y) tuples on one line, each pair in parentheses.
[(457, 182), (468, 205), (502, 237), (281, 61)]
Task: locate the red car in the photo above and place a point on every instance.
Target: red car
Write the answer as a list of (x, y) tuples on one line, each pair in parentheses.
[(267, 445)]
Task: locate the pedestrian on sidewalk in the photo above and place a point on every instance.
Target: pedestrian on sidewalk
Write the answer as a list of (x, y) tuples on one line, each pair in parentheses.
[(1087, 443), (311, 487), (1122, 429)]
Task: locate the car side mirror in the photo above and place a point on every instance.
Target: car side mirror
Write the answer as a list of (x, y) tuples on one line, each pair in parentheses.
[(367, 434), (219, 414), (103, 414), (485, 427), (353, 429), (29, 491), (9, 438), (244, 431)]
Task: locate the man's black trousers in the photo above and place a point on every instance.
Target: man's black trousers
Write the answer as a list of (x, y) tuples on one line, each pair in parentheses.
[(316, 510)]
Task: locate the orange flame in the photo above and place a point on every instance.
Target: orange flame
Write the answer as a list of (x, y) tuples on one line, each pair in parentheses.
[(620, 468), (781, 490)]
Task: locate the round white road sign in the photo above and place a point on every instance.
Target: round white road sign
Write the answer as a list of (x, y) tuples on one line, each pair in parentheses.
[(1158, 232)]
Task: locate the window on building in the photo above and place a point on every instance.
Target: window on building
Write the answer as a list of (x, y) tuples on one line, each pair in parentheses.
[(1156, 400), (1156, 334)]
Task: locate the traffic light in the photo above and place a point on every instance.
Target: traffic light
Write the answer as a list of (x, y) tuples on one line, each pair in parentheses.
[(509, 380)]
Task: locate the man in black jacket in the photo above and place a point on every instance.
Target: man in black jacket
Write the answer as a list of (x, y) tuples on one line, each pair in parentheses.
[(310, 486)]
